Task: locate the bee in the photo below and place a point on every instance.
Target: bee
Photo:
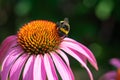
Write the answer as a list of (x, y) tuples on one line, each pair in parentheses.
[(63, 28)]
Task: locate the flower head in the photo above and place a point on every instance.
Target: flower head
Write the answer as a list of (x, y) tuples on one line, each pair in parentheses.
[(115, 74), (39, 49)]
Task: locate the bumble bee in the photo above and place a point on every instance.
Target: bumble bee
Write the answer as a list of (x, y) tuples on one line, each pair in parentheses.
[(63, 28)]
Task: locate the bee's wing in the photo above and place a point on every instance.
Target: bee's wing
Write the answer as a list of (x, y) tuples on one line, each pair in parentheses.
[(66, 20)]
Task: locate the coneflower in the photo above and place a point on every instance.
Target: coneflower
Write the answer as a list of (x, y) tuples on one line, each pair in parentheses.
[(38, 52)]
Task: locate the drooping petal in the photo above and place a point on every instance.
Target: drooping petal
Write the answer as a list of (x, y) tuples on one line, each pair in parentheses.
[(28, 70), (6, 45), (76, 56), (39, 69), (49, 67), (84, 58), (64, 56), (17, 67), (115, 62), (62, 68), (8, 62), (84, 47), (81, 51)]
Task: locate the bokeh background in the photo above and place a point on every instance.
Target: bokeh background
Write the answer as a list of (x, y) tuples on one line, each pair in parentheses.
[(95, 23)]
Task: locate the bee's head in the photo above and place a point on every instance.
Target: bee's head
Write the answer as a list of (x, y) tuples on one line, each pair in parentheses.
[(63, 27)]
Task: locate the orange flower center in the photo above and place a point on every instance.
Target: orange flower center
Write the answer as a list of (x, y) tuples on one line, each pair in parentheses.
[(118, 75), (39, 37)]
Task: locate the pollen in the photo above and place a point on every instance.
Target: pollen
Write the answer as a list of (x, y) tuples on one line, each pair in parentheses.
[(39, 37)]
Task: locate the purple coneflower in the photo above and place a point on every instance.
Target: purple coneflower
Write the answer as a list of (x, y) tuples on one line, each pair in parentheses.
[(38, 52), (115, 74)]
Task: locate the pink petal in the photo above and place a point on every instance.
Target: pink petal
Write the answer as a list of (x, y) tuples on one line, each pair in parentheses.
[(6, 45), (17, 67), (80, 50), (8, 62), (50, 69), (8, 40), (39, 69), (28, 70), (62, 68), (16, 49), (64, 56), (115, 62), (76, 56), (84, 58), (111, 75), (81, 45)]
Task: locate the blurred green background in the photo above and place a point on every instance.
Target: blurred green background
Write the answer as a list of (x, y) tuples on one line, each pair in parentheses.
[(95, 23)]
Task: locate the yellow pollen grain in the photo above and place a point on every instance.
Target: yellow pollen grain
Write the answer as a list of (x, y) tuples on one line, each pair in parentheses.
[(39, 37)]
